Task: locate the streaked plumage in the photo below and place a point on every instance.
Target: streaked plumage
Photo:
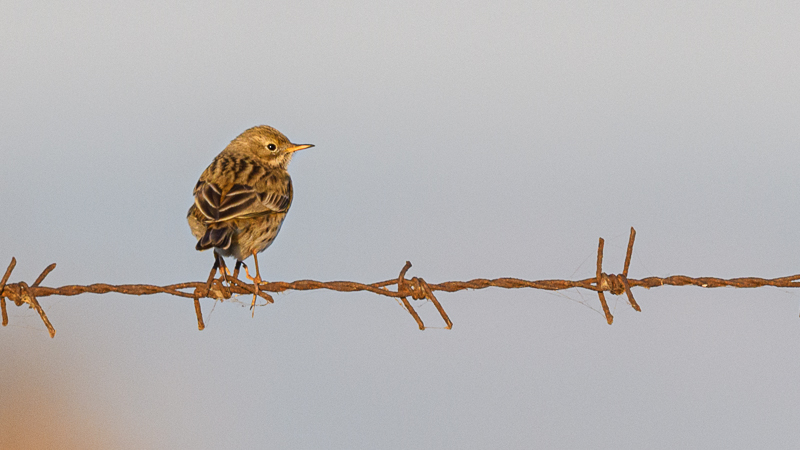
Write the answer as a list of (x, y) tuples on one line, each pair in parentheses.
[(243, 196)]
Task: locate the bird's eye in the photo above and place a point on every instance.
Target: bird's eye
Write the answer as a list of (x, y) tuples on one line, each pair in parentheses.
[(271, 147)]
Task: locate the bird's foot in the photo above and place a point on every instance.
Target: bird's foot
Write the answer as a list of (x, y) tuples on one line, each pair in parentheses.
[(224, 273), (256, 281)]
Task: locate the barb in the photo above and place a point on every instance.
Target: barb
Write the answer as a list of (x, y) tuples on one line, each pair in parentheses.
[(416, 288)]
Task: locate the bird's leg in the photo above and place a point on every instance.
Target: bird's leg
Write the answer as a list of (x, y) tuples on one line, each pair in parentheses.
[(224, 272), (236, 269), (213, 272), (223, 268), (255, 281)]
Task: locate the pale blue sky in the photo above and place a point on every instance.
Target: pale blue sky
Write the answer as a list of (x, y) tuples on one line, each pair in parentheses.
[(476, 139)]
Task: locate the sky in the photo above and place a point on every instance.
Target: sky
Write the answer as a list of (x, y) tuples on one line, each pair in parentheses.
[(474, 139)]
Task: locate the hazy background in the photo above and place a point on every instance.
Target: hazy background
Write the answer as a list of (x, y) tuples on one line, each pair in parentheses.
[(476, 139)]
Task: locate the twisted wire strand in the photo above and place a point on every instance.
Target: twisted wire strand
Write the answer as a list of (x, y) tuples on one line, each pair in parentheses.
[(417, 288)]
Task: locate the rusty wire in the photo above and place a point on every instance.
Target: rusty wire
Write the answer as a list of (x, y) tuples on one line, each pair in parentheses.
[(418, 289)]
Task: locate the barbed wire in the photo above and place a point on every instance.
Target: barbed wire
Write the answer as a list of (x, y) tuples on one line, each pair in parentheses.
[(224, 287)]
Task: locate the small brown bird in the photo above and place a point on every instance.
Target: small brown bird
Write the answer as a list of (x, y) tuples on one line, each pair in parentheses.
[(242, 198)]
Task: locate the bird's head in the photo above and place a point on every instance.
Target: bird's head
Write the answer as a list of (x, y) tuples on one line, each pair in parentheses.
[(269, 145)]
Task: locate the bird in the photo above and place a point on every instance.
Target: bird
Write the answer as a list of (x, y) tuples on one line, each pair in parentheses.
[(242, 197)]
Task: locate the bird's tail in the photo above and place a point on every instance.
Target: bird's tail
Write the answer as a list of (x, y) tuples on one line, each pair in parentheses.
[(217, 236)]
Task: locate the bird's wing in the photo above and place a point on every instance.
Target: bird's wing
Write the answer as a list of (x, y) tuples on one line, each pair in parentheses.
[(243, 200)]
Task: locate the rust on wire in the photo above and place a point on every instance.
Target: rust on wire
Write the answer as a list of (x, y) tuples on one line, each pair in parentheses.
[(2, 288), (226, 286)]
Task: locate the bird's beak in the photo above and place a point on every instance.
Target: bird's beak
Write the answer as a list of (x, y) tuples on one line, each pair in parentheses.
[(296, 147)]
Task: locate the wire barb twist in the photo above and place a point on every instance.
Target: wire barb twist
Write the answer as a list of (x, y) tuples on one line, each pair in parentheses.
[(416, 288)]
